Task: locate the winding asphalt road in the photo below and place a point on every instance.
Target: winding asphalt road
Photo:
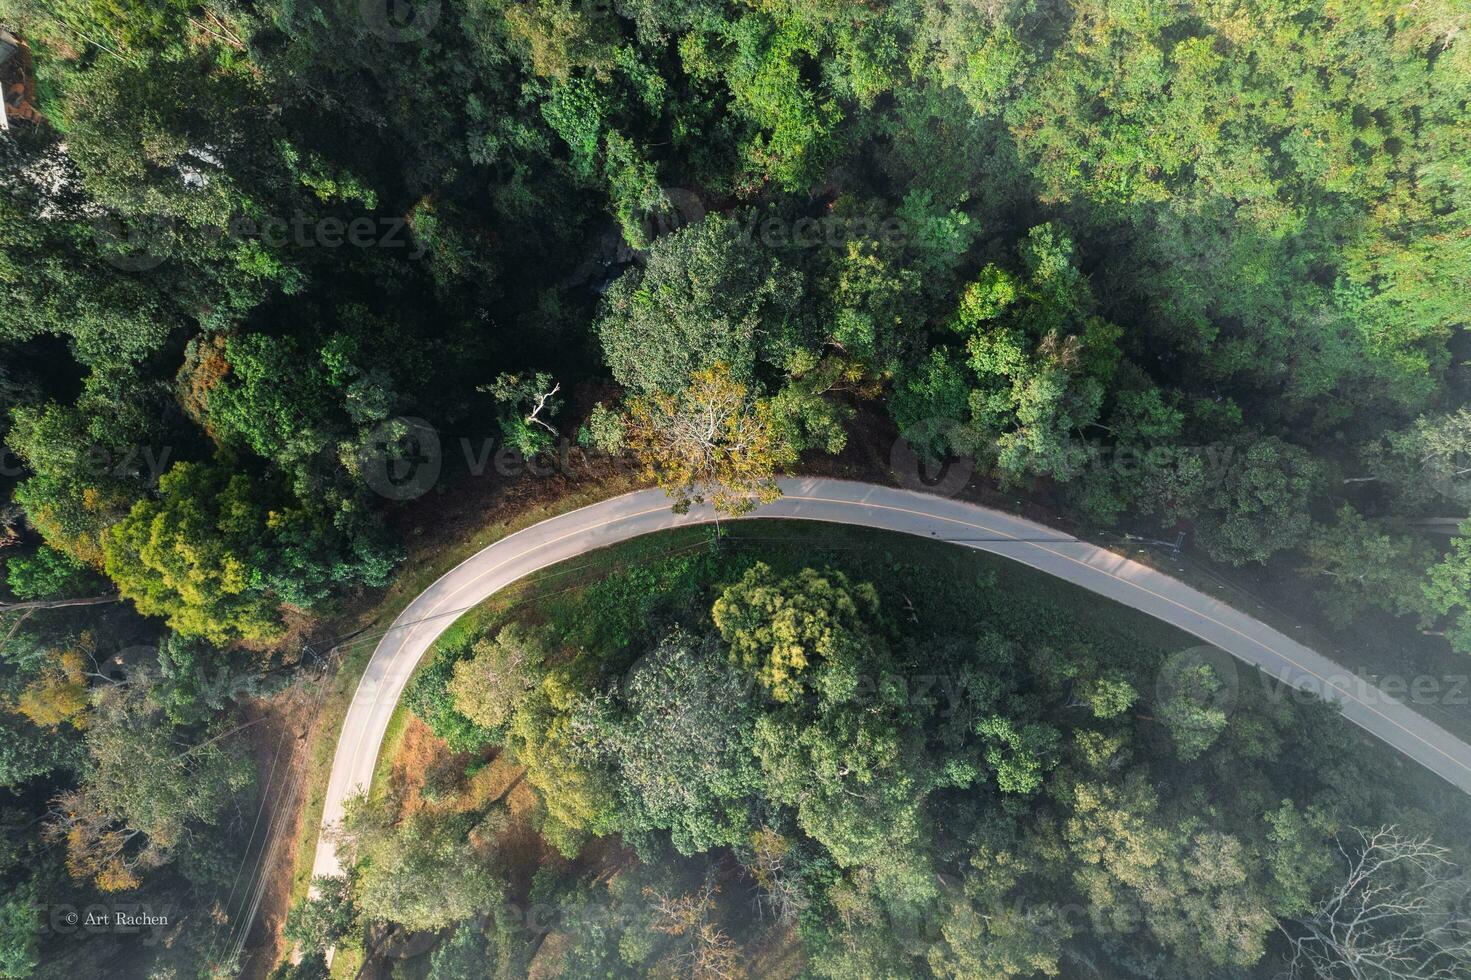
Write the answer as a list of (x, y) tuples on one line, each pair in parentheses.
[(842, 502)]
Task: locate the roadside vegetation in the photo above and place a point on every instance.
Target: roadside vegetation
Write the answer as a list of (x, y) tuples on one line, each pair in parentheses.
[(812, 748)]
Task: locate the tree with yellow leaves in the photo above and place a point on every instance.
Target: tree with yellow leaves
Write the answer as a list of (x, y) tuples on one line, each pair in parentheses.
[(781, 627), (714, 440), (58, 694)]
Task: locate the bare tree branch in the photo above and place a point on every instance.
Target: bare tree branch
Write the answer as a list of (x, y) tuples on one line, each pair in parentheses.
[(1400, 913)]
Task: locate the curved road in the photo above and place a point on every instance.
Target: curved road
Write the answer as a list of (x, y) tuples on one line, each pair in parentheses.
[(843, 502)]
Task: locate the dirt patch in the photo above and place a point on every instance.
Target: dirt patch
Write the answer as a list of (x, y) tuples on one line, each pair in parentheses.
[(278, 742), (421, 755)]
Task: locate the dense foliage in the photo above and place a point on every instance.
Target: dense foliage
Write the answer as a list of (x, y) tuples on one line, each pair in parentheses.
[(968, 782), (1166, 267), (1191, 264), (1180, 263), (127, 780)]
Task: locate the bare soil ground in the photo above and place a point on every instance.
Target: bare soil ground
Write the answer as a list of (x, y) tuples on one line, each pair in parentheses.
[(279, 745)]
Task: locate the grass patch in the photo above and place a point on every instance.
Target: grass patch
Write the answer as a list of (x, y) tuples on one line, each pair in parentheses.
[(347, 962)]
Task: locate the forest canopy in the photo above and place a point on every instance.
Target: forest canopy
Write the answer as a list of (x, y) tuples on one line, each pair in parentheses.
[(1175, 274), (779, 750), (1160, 265)]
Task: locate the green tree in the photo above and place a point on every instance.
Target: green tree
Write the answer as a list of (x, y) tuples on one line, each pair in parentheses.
[(87, 460), (465, 955), (1256, 503), (219, 552), (1040, 357), (1448, 591), (196, 681), (58, 280), (1364, 567), (1020, 756), (856, 779), (195, 556), (1156, 126), (931, 402), (487, 687), (792, 118), (877, 296), (528, 403), (780, 628), (1190, 704), (559, 38), (1299, 857), (20, 931), (556, 733), (1426, 465), (316, 923), (706, 296), (633, 186), (1191, 890), (49, 574), (605, 430), (1108, 696), (270, 397), (990, 928), (421, 872), (28, 752), (150, 792), (684, 746)]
